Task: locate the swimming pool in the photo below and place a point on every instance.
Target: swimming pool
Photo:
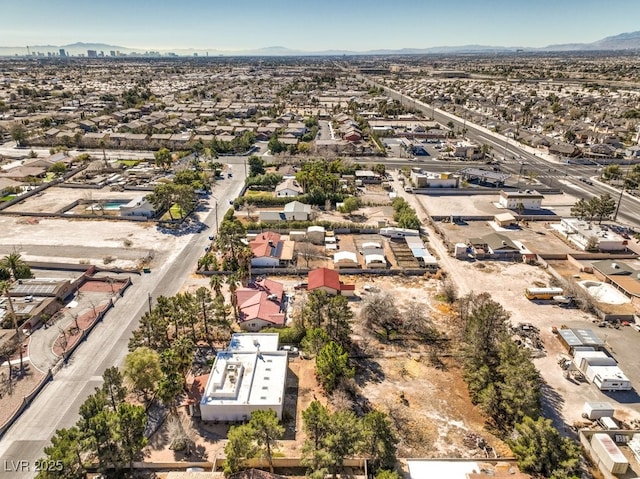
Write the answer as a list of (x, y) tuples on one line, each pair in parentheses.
[(113, 205)]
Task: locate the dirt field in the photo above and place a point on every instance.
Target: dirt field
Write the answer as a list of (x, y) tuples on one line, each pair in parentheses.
[(55, 198), (536, 236), (125, 244)]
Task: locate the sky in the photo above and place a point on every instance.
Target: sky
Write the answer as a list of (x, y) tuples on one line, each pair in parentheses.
[(314, 25)]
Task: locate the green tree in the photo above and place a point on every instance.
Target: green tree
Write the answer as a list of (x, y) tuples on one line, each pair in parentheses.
[(612, 172), (582, 209), (314, 340), (343, 439), (142, 369), (97, 430), (113, 387), (387, 474), (162, 197), (380, 169), (66, 447), (163, 158), (409, 220), (15, 266), (350, 204), (171, 382), (379, 440), (256, 166), (18, 133), (152, 332), (332, 366), (59, 168), (266, 430), (316, 423), (518, 386), (240, 447), (603, 206), (541, 450), (130, 424)]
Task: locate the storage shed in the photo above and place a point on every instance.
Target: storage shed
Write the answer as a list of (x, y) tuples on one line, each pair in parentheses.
[(316, 234)]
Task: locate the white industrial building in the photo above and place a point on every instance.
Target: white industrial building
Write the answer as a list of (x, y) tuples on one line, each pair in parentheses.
[(526, 200), (249, 376), (581, 233)]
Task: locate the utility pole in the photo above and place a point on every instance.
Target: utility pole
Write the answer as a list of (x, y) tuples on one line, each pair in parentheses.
[(624, 184), (149, 300)]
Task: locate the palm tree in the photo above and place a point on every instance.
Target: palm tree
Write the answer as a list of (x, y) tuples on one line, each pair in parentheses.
[(244, 264), (16, 266), (232, 281), (215, 283), (5, 289), (203, 297)]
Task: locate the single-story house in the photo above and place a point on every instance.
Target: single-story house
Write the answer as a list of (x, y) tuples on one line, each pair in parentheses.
[(296, 211), (328, 280), (493, 245), (139, 206), (260, 305), (288, 187), (270, 251)]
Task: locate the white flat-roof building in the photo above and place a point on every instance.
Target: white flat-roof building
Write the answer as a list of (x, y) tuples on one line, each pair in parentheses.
[(580, 233), (249, 376), (527, 200)]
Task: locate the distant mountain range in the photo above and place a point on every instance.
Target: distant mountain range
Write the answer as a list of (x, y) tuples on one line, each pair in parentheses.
[(623, 41)]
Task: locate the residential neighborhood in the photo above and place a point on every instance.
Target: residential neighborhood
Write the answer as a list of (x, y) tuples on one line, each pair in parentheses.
[(391, 267)]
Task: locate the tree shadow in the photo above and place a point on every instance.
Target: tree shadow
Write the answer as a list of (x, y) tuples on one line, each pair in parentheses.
[(551, 403), (623, 397), (368, 371)]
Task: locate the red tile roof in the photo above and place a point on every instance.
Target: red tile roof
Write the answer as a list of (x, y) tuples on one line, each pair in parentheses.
[(264, 244), (325, 277), (254, 302)]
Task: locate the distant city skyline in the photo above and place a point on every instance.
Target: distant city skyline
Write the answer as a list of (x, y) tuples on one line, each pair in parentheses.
[(355, 25)]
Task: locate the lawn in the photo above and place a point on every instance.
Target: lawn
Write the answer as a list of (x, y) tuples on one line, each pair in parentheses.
[(129, 163), (7, 198), (176, 213)]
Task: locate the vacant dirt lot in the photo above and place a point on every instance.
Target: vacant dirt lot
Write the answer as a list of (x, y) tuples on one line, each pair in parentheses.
[(482, 205), (55, 198), (536, 236), (124, 244)]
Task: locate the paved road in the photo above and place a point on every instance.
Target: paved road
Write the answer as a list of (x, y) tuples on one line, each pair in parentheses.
[(518, 159), (57, 405)]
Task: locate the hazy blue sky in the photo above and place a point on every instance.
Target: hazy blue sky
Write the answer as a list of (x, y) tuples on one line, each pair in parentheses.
[(314, 24)]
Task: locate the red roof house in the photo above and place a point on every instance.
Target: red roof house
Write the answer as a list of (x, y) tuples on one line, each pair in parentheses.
[(260, 305), (328, 280)]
